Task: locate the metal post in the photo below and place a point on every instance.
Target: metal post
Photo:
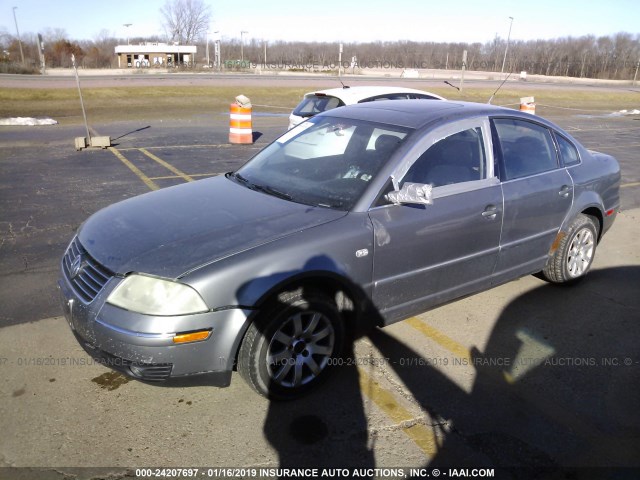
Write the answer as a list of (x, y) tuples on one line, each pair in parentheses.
[(84, 115), (18, 33), (41, 53), (464, 67), (507, 47), (127, 25), (208, 63), (636, 74), (340, 60), (242, 45)]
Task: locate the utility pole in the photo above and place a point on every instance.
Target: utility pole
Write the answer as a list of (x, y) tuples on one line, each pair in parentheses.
[(18, 33), (506, 49), (636, 74)]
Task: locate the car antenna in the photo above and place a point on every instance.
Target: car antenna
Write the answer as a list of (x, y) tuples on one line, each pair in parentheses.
[(343, 85), (494, 93)]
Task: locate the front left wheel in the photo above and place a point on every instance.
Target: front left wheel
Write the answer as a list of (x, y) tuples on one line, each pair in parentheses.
[(291, 346)]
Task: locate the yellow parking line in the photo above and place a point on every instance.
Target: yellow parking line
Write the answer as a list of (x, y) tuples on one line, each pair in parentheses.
[(422, 436), (166, 165), (213, 145), (440, 338), (541, 403), (147, 181), (634, 184)]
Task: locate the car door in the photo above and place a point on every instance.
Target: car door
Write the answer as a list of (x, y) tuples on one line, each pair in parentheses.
[(537, 196), (427, 254)]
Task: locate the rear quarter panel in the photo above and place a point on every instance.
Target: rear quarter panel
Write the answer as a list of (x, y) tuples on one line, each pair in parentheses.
[(596, 185)]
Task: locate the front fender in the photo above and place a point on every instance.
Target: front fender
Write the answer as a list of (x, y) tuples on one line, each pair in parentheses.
[(326, 251)]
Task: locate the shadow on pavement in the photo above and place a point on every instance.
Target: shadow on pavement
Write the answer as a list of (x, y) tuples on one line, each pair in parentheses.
[(556, 389)]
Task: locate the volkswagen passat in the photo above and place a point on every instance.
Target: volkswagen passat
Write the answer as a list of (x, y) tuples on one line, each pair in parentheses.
[(268, 269)]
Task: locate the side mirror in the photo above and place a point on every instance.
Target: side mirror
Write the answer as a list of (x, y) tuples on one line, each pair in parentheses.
[(412, 194)]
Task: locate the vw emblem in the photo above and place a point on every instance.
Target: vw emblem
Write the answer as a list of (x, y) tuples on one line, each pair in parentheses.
[(76, 266)]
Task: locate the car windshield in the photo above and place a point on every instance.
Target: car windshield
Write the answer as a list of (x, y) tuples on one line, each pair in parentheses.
[(324, 161), (318, 103)]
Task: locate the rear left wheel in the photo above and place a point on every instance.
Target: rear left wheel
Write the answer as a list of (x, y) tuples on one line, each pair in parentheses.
[(572, 260)]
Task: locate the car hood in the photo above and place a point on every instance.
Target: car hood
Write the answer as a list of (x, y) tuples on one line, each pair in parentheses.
[(175, 230)]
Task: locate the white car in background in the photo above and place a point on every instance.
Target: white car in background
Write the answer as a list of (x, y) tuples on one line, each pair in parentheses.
[(319, 101)]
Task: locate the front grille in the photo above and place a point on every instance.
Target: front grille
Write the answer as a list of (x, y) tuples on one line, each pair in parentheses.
[(87, 277), (147, 372)]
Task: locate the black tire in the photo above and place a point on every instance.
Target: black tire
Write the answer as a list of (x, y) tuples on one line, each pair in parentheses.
[(303, 333), (574, 256)]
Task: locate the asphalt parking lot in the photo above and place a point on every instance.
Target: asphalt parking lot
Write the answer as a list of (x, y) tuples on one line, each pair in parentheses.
[(526, 375)]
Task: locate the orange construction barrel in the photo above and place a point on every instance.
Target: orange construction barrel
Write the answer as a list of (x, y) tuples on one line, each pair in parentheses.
[(527, 104), (240, 121)]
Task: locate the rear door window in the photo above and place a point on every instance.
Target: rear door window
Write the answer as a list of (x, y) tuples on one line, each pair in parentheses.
[(568, 151), (386, 96), (422, 96), (399, 96), (527, 148)]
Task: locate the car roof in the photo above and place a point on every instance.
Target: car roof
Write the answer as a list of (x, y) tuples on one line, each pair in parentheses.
[(415, 115), (351, 95)]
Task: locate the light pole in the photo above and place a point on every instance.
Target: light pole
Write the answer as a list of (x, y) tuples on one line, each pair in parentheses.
[(506, 49), (242, 45), (18, 33), (127, 25)]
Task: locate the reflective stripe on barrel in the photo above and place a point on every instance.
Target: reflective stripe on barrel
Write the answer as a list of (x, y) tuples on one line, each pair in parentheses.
[(240, 124)]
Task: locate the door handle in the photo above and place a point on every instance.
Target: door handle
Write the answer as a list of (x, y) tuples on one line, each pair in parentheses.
[(490, 212), (564, 191)]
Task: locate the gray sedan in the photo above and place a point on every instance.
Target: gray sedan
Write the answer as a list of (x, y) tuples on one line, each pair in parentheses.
[(361, 216)]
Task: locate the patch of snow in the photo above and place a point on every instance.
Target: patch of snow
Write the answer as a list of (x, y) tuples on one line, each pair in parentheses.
[(628, 112), (30, 121)]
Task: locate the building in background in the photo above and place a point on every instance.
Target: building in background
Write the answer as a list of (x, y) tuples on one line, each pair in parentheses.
[(151, 54)]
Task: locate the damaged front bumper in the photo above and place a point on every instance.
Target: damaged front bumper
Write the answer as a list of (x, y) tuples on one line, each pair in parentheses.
[(144, 346)]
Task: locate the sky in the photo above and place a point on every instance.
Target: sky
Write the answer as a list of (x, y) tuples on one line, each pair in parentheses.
[(337, 20)]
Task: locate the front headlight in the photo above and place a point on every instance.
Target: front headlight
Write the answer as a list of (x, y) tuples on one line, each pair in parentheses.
[(155, 296)]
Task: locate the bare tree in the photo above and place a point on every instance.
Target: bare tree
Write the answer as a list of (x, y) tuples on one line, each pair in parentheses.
[(185, 20)]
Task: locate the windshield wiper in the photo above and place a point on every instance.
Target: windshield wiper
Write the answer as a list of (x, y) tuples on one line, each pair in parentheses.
[(262, 188), (243, 180), (273, 191), (238, 177)]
